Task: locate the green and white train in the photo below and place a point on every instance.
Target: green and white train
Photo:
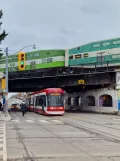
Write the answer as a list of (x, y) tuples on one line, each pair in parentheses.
[(101, 53), (36, 60)]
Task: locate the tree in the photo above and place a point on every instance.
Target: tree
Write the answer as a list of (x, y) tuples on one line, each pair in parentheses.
[(3, 34)]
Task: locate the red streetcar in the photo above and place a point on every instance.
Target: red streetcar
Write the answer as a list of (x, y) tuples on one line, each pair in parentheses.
[(49, 101)]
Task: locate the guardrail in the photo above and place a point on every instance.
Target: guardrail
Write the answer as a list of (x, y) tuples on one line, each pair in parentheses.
[(88, 68)]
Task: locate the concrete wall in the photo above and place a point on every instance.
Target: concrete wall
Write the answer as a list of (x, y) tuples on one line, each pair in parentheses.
[(96, 93)]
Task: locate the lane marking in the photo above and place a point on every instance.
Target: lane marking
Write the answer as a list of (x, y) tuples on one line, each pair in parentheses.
[(57, 121), (116, 119), (4, 145), (15, 120), (44, 121), (29, 121)]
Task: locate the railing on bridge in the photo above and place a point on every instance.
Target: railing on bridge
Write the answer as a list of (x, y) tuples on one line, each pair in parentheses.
[(86, 68)]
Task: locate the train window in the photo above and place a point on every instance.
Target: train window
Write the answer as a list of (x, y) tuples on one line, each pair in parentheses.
[(106, 43), (71, 57), (55, 100), (49, 60), (78, 56), (36, 54), (85, 55), (116, 42), (37, 101), (116, 56), (96, 45), (33, 62), (31, 100), (44, 60), (42, 100)]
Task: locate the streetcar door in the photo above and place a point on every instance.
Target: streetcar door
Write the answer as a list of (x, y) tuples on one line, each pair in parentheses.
[(34, 103), (43, 102)]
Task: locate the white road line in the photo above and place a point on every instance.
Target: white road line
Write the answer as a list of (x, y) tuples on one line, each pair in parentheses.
[(116, 119), (15, 120), (57, 121), (29, 121), (44, 121), (4, 145)]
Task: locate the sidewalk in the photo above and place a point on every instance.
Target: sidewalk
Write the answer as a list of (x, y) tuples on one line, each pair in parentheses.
[(2, 116)]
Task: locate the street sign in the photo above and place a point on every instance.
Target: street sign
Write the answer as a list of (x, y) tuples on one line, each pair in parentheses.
[(81, 81)]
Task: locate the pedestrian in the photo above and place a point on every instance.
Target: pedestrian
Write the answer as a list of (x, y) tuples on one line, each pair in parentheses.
[(23, 109)]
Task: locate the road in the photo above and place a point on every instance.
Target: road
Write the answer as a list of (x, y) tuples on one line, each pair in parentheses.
[(73, 137)]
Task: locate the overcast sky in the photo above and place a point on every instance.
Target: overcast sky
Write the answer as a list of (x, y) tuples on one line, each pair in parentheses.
[(59, 23), (55, 24)]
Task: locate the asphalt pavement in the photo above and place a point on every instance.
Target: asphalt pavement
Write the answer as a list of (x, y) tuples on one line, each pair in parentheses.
[(73, 137)]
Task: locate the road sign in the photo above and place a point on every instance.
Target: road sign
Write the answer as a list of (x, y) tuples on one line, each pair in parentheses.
[(81, 81)]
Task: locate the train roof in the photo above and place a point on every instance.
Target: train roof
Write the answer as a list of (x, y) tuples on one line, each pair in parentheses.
[(49, 90)]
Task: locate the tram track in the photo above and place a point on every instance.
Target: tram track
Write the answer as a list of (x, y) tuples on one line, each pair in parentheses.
[(71, 121), (80, 118), (62, 138), (20, 139), (102, 134), (105, 135)]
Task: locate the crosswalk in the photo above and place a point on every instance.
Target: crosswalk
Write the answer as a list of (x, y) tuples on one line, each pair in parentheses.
[(3, 151), (40, 121)]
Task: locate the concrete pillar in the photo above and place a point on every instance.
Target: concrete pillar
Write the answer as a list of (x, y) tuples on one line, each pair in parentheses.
[(118, 87), (66, 57)]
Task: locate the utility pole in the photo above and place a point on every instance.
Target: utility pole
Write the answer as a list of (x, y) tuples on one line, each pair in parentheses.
[(6, 77), (6, 83)]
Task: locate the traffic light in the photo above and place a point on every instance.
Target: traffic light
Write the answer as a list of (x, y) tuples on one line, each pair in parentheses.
[(3, 83), (21, 61)]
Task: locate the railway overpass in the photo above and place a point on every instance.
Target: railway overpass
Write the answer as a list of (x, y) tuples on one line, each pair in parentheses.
[(64, 77), (99, 91)]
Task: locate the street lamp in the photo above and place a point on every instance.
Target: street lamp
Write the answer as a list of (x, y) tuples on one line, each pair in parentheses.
[(6, 76)]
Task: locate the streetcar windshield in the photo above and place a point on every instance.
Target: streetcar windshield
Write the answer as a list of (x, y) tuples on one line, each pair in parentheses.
[(55, 100)]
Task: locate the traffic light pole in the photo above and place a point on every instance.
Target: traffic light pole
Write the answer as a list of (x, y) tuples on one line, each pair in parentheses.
[(6, 78), (6, 84)]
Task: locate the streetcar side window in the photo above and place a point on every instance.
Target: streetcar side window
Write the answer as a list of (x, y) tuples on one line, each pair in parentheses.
[(44, 100), (41, 100), (37, 101)]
